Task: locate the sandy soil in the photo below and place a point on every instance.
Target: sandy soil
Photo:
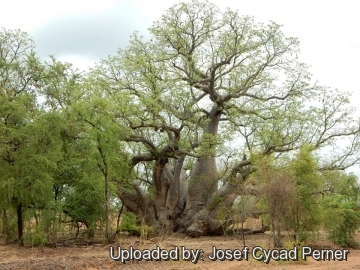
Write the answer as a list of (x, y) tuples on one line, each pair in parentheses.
[(98, 256)]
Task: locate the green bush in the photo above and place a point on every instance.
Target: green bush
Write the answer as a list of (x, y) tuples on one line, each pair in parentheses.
[(35, 238), (9, 229), (342, 219), (128, 224)]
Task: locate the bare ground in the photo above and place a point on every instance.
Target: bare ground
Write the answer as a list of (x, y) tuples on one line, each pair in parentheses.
[(97, 257)]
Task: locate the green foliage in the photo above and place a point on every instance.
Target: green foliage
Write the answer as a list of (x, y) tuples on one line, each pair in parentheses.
[(84, 201), (336, 182), (330, 197), (30, 143), (208, 145), (129, 224), (341, 208), (291, 195), (35, 237), (342, 219), (306, 214), (8, 224)]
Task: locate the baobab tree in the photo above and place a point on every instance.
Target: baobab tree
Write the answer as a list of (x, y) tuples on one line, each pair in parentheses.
[(207, 80)]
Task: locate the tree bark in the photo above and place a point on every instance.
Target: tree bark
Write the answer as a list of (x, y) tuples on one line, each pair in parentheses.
[(107, 227), (179, 205), (20, 224)]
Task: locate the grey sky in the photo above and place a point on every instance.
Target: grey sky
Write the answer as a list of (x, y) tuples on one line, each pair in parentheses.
[(83, 31), (92, 35)]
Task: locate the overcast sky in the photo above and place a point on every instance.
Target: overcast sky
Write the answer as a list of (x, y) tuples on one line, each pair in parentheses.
[(84, 31)]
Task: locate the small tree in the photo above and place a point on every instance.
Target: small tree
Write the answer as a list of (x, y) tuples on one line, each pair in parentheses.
[(279, 196), (30, 141), (291, 195), (342, 217), (305, 215), (83, 202)]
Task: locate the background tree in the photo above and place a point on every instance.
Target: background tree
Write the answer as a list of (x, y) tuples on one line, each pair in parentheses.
[(36, 148), (341, 208), (104, 135), (305, 216), (29, 146), (92, 146)]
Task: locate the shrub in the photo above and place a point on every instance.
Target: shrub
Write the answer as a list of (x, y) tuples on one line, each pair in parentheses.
[(342, 219), (128, 224)]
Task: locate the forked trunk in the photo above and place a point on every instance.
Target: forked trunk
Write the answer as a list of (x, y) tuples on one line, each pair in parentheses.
[(179, 205), (203, 182)]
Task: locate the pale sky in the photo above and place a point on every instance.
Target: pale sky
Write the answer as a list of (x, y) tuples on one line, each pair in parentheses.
[(84, 31)]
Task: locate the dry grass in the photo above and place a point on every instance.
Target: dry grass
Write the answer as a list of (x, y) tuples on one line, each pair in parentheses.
[(97, 257)]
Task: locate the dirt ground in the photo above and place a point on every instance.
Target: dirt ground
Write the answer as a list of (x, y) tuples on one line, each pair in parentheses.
[(98, 256)]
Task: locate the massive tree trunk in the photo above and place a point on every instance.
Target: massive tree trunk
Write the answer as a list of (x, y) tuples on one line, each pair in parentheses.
[(203, 179), (169, 196), (175, 204)]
